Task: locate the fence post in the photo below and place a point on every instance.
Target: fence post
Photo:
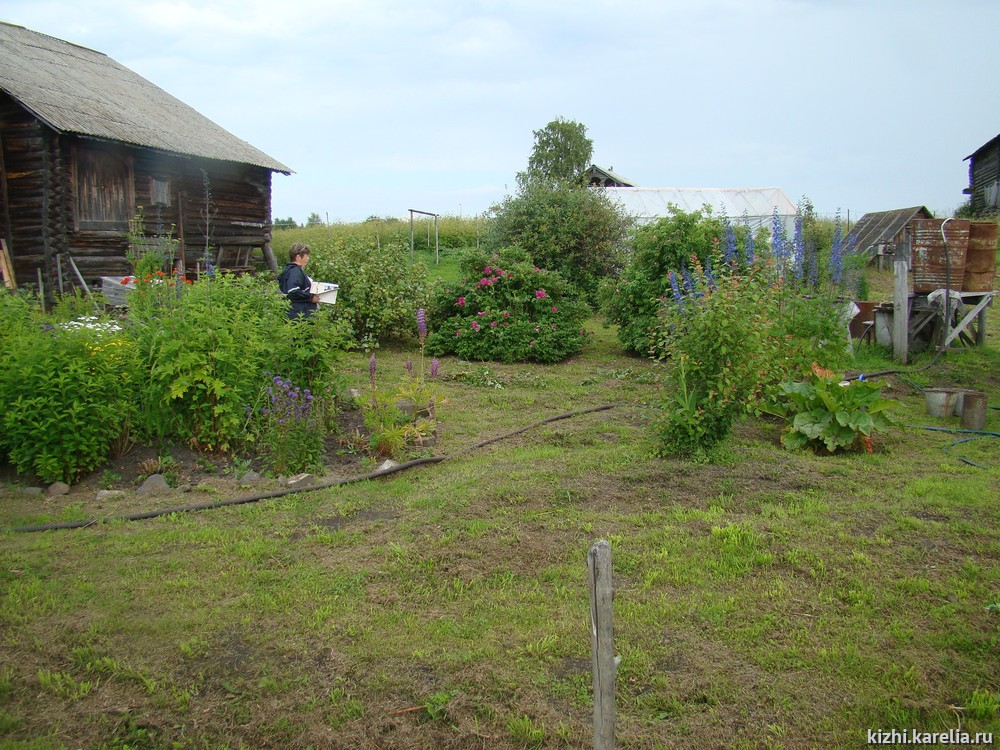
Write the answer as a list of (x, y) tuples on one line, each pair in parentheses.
[(900, 312), (602, 643)]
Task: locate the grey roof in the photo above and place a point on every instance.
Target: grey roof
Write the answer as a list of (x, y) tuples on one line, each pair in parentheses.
[(986, 145), (73, 89), (599, 173), (883, 226)]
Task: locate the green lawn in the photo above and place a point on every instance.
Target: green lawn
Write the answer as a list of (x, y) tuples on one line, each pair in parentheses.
[(769, 600)]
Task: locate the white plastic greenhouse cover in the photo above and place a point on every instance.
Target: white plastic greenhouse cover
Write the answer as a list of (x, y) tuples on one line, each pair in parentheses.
[(756, 205)]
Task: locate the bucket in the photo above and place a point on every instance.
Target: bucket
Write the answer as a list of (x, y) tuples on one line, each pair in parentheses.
[(883, 325), (859, 323), (974, 410), (940, 401), (932, 267), (980, 257)]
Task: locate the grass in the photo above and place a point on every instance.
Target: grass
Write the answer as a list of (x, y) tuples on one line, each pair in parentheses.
[(771, 599)]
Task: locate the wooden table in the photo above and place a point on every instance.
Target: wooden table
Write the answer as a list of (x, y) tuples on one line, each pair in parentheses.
[(967, 323)]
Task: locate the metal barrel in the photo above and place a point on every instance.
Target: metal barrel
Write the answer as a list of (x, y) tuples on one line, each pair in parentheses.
[(935, 263), (981, 257)]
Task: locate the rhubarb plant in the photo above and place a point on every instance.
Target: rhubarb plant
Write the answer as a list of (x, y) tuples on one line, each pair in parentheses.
[(825, 414)]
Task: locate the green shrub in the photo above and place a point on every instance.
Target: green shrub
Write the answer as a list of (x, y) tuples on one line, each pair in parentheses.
[(729, 340), (714, 341), (65, 393), (633, 300), (573, 230), (205, 353), (512, 312), (380, 291)]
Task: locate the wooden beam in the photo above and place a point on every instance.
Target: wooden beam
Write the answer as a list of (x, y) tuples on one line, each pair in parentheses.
[(980, 307), (900, 312), (6, 266)]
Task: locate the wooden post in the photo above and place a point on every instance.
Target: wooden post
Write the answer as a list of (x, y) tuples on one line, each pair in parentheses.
[(41, 290), (602, 645), (981, 327), (900, 313)]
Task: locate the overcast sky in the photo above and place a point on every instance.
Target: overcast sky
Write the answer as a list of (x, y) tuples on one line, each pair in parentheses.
[(380, 106)]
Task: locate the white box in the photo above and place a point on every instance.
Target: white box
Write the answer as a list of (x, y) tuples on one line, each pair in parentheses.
[(327, 293)]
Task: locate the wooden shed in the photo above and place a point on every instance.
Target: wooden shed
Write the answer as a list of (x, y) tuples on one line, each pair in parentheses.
[(879, 234), (984, 178), (596, 176), (86, 145)]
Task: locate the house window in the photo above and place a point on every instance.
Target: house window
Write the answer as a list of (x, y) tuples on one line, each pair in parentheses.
[(160, 191), (103, 190)]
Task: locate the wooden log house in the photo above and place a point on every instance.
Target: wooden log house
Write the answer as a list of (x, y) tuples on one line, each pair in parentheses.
[(87, 144)]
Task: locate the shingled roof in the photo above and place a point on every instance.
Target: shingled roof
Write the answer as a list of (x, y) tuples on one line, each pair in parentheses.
[(73, 89), (883, 226)]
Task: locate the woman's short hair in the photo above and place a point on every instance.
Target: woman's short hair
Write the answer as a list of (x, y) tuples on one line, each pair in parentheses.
[(296, 250)]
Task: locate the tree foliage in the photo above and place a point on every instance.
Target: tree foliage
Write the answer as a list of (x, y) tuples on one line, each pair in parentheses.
[(567, 228), (561, 153)]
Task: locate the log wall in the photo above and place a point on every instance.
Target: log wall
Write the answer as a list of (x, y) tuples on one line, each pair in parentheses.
[(221, 204)]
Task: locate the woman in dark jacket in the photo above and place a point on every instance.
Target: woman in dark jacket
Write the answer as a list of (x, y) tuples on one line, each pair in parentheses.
[(295, 285)]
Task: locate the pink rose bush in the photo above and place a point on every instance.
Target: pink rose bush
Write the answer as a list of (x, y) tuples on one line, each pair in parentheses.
[(512, 311)]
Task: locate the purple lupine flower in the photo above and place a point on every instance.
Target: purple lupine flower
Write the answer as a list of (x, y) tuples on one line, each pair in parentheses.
[(435, 366), (409, 367), (371, 370), (421, 325)]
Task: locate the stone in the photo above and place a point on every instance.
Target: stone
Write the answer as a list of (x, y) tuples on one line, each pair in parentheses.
[(57, 488), (300, 480), (354, 393), (109, 494), (154, 483), (426, 441), (387, 464), (32, 491), (251, 478), (407, 406)]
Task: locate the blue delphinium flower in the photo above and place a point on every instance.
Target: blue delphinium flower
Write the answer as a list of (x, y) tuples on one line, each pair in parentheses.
[(675, 287), (729, 251), (778, 240), (709, 276), (688, 281), (798, 249), (837, 251)]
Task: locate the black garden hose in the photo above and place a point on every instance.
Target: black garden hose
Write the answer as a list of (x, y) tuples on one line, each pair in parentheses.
[(309, 488)]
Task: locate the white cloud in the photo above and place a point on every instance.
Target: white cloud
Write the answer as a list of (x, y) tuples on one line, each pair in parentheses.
[(380, 103)]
